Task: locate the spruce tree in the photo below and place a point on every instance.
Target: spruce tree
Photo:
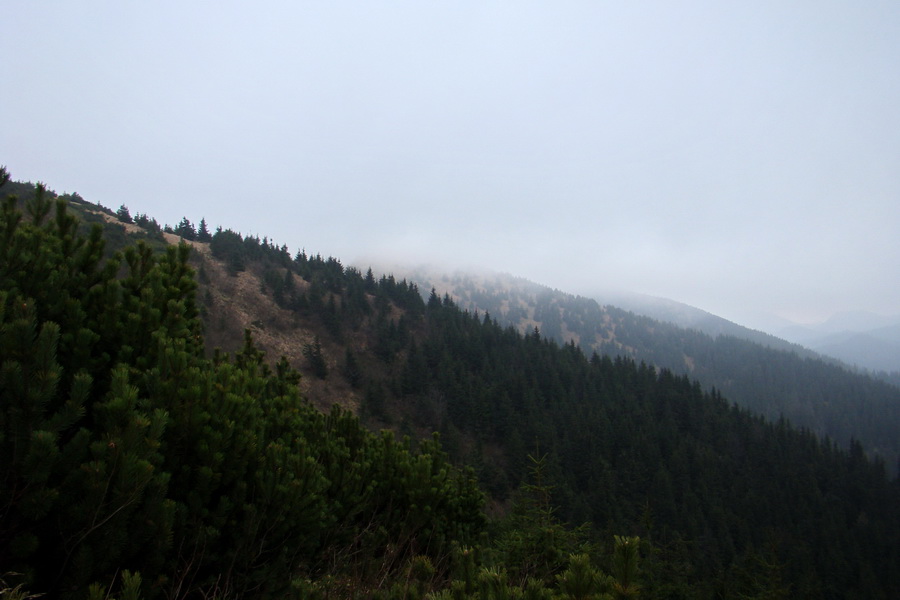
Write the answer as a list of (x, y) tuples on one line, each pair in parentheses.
[(124, 215), (316, 359), (203, 234)]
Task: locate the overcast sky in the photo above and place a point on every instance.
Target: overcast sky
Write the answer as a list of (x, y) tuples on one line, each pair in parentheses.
[(743, 157)]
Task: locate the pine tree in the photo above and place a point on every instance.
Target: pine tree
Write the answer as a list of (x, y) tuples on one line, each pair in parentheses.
[(83, 493), (581, 581), (626, 556)]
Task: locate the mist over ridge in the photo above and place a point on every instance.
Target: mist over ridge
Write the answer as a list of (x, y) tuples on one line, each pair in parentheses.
[(742, 161)]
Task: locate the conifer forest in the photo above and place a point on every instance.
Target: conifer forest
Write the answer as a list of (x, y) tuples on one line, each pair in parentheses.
[(137, 460)]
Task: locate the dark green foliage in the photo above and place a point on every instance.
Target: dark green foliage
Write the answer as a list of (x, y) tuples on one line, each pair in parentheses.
[(581, 580), (352, 370), (626, 556), (124, 214), (280, 285), (414, 378), (149, 224), (760, 372), (629, 447), (203, 234), (185, 229), (82, 485), (228, 246), (534, 543), (122, 447)]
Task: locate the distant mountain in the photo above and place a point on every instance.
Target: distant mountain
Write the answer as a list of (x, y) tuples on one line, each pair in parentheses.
[(866, 350), (862, 339), (858, 339), (857, 321)]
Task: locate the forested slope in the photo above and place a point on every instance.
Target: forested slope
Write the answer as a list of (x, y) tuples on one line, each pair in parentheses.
[(771, 377), (125, 449), (630, 448), (126, 444)]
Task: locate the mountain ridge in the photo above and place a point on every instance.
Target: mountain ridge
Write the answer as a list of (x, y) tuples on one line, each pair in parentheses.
[(617, 331), (862, 339)]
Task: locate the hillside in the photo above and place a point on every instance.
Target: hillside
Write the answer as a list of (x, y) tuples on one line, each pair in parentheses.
[(878, 349), (857, 342), (689, 317), (234, 479), (423, 366), (770, 376)]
